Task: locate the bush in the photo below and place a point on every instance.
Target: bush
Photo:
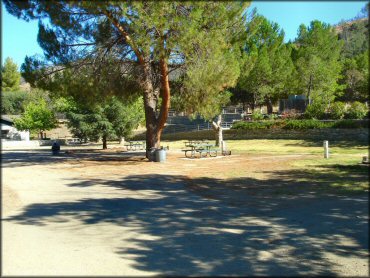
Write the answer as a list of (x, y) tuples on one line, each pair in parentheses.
[(256, 125), (306, 124), (357, 110), (337, 110), (300, 124), (257, 116), (272, 116), (351, 124), (315, 110), (13, 102)]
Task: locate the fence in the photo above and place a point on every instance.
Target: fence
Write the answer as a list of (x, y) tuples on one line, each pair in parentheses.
[(196, 127)]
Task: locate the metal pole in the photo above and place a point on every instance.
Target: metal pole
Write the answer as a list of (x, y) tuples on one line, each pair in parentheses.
[(326, 149)]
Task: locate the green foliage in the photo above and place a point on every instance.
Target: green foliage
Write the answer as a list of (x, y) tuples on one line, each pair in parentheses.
[(256, 125), (272, 117), (10, 77), (299, 124), (199, 39), (355, 35), (316, 59), (36, 117), (267, 64), (337, 110), (257, 115), (355, 78), (315, 110), (112, 119), (12, 103), (306, 124), (357, 110), (351, 124), (64, 104)]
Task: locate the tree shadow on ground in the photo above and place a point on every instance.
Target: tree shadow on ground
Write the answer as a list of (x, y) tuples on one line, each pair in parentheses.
[(40, 157), (207, 227)]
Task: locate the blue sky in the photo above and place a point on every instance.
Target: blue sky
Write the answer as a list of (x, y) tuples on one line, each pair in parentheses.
[(19, 38)]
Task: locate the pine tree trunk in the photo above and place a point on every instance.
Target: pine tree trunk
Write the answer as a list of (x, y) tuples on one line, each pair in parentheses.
[(155, 123), (104, 142), (309, 90), (269, 106)]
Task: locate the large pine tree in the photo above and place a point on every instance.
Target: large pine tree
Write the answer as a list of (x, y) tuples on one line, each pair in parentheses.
[(144, 41)]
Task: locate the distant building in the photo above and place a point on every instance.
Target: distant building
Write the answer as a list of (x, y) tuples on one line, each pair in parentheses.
[(297, 103), (9, 132)]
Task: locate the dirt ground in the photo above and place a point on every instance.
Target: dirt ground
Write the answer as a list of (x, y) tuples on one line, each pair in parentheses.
[(93, 212)]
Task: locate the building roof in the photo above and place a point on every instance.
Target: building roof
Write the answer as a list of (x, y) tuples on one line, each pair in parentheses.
[(9, 118)]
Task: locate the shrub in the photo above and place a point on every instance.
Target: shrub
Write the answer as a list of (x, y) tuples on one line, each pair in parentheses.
[(257, 116), (357, 110), (315, 110), (337, 110), (351, 124), (306, 124), (272, 116), (255, 125)]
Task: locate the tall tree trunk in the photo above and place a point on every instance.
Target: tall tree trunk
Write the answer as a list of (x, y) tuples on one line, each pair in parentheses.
[(104, 138), (309, 90), (269, 106), (155, 123)]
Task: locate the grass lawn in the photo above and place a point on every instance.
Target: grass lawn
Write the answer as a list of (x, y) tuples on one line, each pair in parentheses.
[(342, 171)]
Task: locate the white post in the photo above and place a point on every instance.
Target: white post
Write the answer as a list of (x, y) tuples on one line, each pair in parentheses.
[(326, 149)]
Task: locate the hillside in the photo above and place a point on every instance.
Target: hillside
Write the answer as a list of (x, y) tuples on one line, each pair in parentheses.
[(355, 35)]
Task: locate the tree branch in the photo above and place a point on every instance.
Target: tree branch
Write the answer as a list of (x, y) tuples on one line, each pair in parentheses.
[(126, 36)]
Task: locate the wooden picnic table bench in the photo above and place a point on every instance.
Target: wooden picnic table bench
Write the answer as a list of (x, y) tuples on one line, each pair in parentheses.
[(134, 145), (195, 142), (202, 149)]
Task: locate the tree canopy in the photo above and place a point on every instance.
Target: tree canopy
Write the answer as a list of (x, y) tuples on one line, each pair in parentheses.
[(267, 66), (112, 119), (145, 42), (10, 76), (36, 117), (317, 61)]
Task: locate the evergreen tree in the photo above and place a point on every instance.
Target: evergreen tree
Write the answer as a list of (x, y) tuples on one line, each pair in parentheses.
[(267, 66), (10, 76), (106, 121), (147, 40), (317, 61), (355, 78)]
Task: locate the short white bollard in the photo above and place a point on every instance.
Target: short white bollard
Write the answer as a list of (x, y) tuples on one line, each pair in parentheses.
[(326, 149)]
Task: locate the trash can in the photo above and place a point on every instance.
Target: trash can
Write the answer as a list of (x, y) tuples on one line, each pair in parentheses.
[(151, 154), (55, 148), (160, 155)]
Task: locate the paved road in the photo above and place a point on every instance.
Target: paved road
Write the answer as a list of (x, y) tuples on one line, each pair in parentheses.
[(64, 217)]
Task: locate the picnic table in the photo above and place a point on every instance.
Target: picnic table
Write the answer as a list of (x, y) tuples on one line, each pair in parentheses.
[(195, 142), (204, 149), (135, 145)]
